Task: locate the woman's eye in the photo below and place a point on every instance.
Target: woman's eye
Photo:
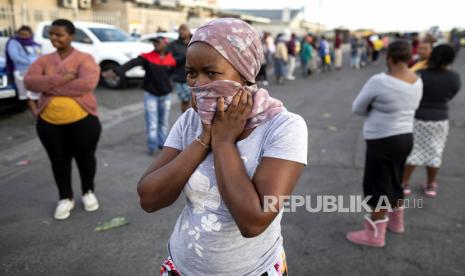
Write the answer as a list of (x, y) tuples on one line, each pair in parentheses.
[(212, 74), (190, 74)]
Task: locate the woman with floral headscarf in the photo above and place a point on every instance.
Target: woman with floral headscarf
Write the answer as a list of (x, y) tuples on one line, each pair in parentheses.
[(235, 155)]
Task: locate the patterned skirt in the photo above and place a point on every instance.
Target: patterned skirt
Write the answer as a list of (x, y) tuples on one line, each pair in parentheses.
[(429, 141), (278, 269)]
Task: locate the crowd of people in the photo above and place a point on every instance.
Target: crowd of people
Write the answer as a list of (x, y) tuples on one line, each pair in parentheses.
[(234, 143), (316, 54), (407, 124)]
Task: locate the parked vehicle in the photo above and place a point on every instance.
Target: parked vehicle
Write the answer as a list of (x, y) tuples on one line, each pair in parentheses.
[(171, 36), (8, 94), (109, 46)]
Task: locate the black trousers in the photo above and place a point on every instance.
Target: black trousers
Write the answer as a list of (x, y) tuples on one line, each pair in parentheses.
[(63, 143), (384, 167)]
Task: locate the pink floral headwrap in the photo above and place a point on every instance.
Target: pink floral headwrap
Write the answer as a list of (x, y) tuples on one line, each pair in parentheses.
[(240, 45)]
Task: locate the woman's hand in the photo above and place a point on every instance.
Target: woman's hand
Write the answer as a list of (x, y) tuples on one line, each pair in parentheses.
[(109, 74), (228, 125), (69, 76)]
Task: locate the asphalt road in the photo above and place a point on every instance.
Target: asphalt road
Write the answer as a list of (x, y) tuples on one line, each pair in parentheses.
[(32, 243)]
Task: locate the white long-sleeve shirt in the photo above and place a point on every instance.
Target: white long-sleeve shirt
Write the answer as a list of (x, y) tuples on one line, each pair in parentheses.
[(389, 105)]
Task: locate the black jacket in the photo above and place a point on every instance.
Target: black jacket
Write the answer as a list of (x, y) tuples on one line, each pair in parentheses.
[(178, 49), (439, 87), (158, 70)]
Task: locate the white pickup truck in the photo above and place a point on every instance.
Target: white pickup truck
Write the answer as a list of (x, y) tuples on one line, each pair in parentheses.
[(109, 46)]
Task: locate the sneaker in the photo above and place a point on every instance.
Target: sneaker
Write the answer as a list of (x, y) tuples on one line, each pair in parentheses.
[(90, 201), (64, 208)]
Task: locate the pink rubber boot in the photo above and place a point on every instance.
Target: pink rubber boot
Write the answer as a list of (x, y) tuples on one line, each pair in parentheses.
[(372, 235), (396, 220)]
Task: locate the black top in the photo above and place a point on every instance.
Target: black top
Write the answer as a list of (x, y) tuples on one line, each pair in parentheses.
[(439, 87), (158, 70), (178, 49)]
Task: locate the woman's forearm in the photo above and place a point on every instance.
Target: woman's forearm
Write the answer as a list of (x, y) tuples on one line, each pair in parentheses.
[(160, 187), (41, 83), (237, 190), (75, 87), (84, 82)]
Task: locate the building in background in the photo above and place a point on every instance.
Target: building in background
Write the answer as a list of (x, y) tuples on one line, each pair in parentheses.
[(142, 16), (139, 17), (282, 20)]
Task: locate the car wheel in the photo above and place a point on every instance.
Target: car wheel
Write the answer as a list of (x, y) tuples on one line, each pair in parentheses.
[(121, 82)]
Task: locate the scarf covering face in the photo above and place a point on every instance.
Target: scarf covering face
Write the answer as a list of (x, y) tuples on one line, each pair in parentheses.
[(240, 45)]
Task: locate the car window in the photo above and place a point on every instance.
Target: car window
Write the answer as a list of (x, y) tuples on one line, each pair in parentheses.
[(45, 32), (79, 36), (110, 34)]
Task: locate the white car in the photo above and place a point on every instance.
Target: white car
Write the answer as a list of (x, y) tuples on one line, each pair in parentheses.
[(171, 36), (109, 46)]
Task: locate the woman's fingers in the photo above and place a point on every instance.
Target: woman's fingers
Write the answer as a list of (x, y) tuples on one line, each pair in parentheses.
[(243, 101), (220, 107), (235, 101)]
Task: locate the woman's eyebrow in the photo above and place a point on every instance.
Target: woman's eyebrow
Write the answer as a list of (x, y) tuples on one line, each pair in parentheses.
[(211, 66)]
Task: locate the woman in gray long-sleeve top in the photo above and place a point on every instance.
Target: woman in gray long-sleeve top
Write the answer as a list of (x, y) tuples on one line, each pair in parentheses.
[(388, 100), (432, 117)]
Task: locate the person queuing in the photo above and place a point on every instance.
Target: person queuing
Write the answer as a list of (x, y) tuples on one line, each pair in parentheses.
[(355, 52), (440, 85), (20, 52), (306, 55), (325, 54), (388, 100), (281, 58), (262, 77), (236, 145), (292, 51), (178, 49), (424, 52), (67, 123), (158, 65), (338, 52)]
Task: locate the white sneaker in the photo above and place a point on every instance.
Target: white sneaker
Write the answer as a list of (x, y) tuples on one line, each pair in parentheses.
[(64, 208), (290, 78), (90, 202)]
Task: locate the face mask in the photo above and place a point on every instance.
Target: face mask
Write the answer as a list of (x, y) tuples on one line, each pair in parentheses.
[(207, 97)]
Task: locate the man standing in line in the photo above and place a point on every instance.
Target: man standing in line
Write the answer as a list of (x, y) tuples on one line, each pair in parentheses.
[(292, 52), (178, 49), (158, 65), (338, 52)]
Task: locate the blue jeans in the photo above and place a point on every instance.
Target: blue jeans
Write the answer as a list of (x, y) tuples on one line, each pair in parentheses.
[(157, 111), (305, 64), (279, 67)]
